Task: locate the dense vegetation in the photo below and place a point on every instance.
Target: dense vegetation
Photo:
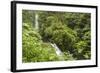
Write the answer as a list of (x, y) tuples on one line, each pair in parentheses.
[(68, 30)]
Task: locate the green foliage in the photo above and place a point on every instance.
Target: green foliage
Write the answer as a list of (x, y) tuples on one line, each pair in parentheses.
[(57, 32), (34, 50), (70, 31), (68, 57), (82, 50), (28, 16)]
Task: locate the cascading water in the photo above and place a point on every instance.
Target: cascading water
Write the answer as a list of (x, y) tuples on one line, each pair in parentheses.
[(36, 21), (58, 51)]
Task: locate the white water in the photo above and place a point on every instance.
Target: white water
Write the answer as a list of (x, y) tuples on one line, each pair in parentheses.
[(58, 51), (36, 21)]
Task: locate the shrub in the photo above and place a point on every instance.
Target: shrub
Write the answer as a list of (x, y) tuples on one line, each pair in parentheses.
[(34, 49)]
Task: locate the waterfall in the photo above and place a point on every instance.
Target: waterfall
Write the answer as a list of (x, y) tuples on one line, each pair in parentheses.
[(58, 51), (36, 21)]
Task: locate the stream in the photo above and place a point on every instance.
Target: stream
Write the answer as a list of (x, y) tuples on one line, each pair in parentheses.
[(58, 51)]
